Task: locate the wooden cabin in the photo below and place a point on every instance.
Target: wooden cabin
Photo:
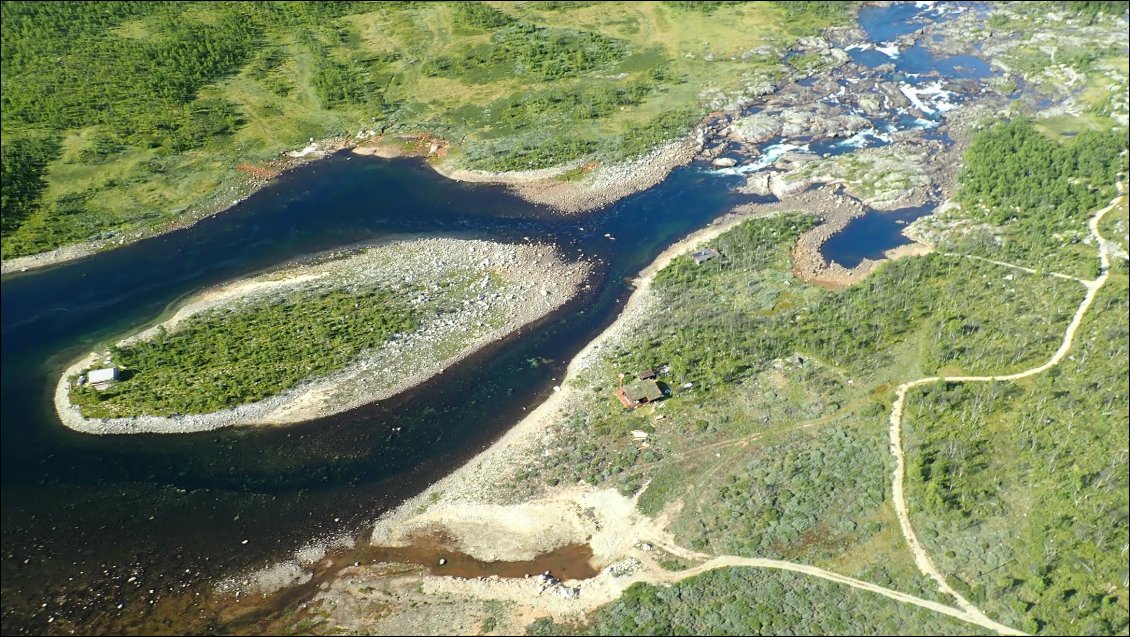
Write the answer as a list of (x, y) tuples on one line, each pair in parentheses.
[(639, 393), (704, 255)]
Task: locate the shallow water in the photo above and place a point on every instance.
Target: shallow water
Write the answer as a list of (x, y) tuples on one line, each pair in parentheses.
[(869, 236), (569, 562)]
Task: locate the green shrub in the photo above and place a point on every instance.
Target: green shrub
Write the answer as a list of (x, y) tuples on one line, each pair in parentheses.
[(224, 358)]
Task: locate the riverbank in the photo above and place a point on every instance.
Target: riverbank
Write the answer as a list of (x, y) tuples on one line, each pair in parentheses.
[(593, 186), (570, 188), (469, 293), (577, 189), (476, 512), (252, 180), (470, 508)]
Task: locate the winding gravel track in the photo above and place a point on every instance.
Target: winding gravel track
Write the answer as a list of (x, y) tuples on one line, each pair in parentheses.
[(727, 561), (921, 557)]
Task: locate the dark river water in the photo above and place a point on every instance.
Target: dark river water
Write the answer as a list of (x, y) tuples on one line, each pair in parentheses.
[(98, 531), (83, 514)]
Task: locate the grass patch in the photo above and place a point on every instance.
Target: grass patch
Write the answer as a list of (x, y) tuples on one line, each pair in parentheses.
[(515, 87), (1115, 225), (224, 358), (799, 496)]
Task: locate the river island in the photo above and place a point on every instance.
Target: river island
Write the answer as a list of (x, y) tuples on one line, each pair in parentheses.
[(332, 333)]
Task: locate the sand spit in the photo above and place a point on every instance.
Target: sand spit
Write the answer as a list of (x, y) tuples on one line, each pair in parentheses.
[(560, 187)]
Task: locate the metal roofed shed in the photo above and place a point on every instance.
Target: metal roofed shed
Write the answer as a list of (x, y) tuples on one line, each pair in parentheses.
[(103, 376), (704, 255)]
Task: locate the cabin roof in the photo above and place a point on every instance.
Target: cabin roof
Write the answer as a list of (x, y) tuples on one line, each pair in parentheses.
[(704, 254), (102, 375), (643, 390)]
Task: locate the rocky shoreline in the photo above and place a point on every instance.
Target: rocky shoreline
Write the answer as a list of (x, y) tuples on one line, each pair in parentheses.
[(598, 184), (255, 179), (501, 288), (603, 185)]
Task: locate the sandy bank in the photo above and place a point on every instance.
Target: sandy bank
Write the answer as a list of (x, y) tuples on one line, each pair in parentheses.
[(598, 186), (471, 293)]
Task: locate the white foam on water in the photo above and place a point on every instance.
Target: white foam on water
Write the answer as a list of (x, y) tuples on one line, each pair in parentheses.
[(912, 95), (769, 155), (939, 97), (864, 138), (940, 9), (834, 98), (889, 49)]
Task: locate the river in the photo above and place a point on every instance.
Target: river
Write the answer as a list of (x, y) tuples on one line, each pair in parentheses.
[(106, 533)]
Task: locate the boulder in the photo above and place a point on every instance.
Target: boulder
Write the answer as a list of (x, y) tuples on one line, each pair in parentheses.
[(756, 128)]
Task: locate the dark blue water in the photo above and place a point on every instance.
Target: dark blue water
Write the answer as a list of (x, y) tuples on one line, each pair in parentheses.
[(914, 65), (869, 236), (920, 65), (84, 513)]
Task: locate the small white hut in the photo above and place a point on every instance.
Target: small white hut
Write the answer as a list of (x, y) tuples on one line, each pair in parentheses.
[(101, 378)]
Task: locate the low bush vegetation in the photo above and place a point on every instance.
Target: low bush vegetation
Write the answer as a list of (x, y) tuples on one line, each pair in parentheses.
[(773, 442), (1040, 193), (746, 601), (1020, 489), (224, 358)]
